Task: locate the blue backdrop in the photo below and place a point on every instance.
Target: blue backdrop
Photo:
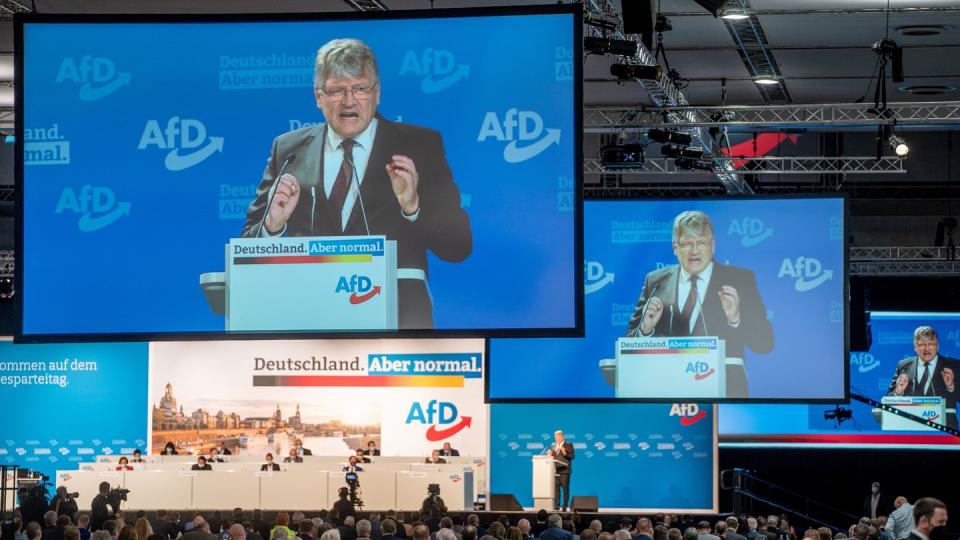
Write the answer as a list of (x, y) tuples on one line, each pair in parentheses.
[(628, 455), (144, 146), (795, 248), (68, 403), (870, 375)]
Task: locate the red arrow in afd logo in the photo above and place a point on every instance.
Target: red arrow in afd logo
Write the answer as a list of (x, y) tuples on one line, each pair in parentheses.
[(434, 434), (354, 299), (691, 420), (702, 376)]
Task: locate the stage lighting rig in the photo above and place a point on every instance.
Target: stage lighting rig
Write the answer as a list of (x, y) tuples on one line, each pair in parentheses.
[(677, 151), (619, 47), (626, 72), (888, 49), (622, 156), (666, 136), (898, 145), (690, 164)]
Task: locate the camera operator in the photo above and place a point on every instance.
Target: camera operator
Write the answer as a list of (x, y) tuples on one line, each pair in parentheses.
[(33, 502), (65, 504), (344, 507), (100, 509), (433, 506)]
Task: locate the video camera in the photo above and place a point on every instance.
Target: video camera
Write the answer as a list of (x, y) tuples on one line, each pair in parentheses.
[(353, 489), (116, 496)]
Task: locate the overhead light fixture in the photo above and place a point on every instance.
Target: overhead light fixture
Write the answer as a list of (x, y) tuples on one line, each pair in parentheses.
[(923, 30), (733, 14), (677, 151), (899, 145), (626, 72), (603, 21), (764, 80), (619, 47), (622, 156), (665, 136), (690, 164), (927, 89)]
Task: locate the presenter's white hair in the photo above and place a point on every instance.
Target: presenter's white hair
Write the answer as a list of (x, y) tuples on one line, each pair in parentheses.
[(922, 332), (332, 534), (345, 59), (691, 221)]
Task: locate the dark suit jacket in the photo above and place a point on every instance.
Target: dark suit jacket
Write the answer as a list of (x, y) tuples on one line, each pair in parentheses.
[(376, 452), (556, 533), (884, 505), (567, 459), (430, 460), (453, 452), (198, 467), (441, 227), (754, 330), (270, 467), (909, 366)]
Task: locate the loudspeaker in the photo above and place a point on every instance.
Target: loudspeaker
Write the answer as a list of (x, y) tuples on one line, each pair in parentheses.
[(585, 503), (639, 17), (500, 501), (861, 336)]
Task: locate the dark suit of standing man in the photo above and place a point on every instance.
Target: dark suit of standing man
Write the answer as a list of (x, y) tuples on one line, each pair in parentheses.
[(701, 297), (406, 187), (928, 373), (562, 452)]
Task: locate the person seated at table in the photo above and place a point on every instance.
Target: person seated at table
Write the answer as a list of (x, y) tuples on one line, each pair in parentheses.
[(362, 456), (201, 465), (372, 449), (124, 464), (270, 465), (138, 456), (294, 457), (169, 450), (435, 458), (353, 465), (214, 457)]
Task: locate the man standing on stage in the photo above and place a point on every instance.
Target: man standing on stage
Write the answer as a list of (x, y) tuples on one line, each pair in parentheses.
[(702, 297), (562, 453), (928, 373)]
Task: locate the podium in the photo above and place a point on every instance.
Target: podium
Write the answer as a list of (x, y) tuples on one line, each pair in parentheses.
[(544, 482), (932, 408), (670, 368), (307, 283)]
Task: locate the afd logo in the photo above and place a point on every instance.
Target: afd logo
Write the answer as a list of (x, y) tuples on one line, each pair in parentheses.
[(441, 416), (97, 206), (864, 361), (438, 68), (65, 477), (594, 278), (185, 135), (99, 76), (808, 272), (750, 230), (361, 288), (689, 413), (954, 336), (700, 370), (930, 415), (519, 127)]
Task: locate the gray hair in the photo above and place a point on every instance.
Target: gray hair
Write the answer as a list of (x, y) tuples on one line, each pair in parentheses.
[(554, 520), (596, 525), (622, 534), (346, 59), (922, 332), (102, 535), (50, 518), (691, 222), (363, 528), (332, 534), (388, 526), (446, 534), (280, 533), (691, 533), (349, 521)]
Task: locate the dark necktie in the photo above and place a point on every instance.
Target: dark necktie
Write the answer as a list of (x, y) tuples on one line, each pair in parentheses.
[(338, 195), (689, 305), (924, 378)]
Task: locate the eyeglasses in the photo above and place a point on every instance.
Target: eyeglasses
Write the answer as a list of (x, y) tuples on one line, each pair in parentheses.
[(688, 245), (360, 92)]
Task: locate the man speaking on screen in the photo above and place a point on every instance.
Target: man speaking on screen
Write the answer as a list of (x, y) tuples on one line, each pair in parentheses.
[(702, 297), (929, 373), (358, 173)]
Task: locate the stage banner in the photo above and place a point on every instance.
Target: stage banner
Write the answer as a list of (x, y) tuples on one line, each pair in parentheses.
[(643, 457), (66, 403), (872, 374), (408, 396)]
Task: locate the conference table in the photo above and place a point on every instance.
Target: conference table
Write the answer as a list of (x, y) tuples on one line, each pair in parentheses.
[(167, 482)]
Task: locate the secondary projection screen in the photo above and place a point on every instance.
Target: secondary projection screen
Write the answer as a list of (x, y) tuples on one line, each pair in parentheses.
[(151, 149), (767, 321)]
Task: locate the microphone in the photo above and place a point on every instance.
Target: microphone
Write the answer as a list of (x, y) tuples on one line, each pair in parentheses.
[(291, 157), (700, 315), (313, 206), (356, 178)]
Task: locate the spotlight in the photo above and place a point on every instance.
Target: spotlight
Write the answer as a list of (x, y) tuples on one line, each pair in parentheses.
[(622, 156), (766, 80), (619, 47), (664, 136), (899, 145), (690, 164), (663, 24), (635, 71), (604, 22), (677, 151), (734, 14)]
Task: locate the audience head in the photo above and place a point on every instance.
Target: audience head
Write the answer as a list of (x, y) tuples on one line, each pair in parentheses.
[(703, 526), (100, 535), (388, 526), (64, 521), (811, 534), (469, 533), (331, 534), (421, 532), (720, 528), (513, 533), (588, 534), (660, 532), (71, 533), (605, 536), (128, 533), (143, 528), (350, 521), (307, 527), (283, 518), (363, 528), (542, 516), (691, 534), (928, 514), (554, 520), (446, 534), (524, 526), (622, 534), (237, 532), (674, 534), (497, 530)]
